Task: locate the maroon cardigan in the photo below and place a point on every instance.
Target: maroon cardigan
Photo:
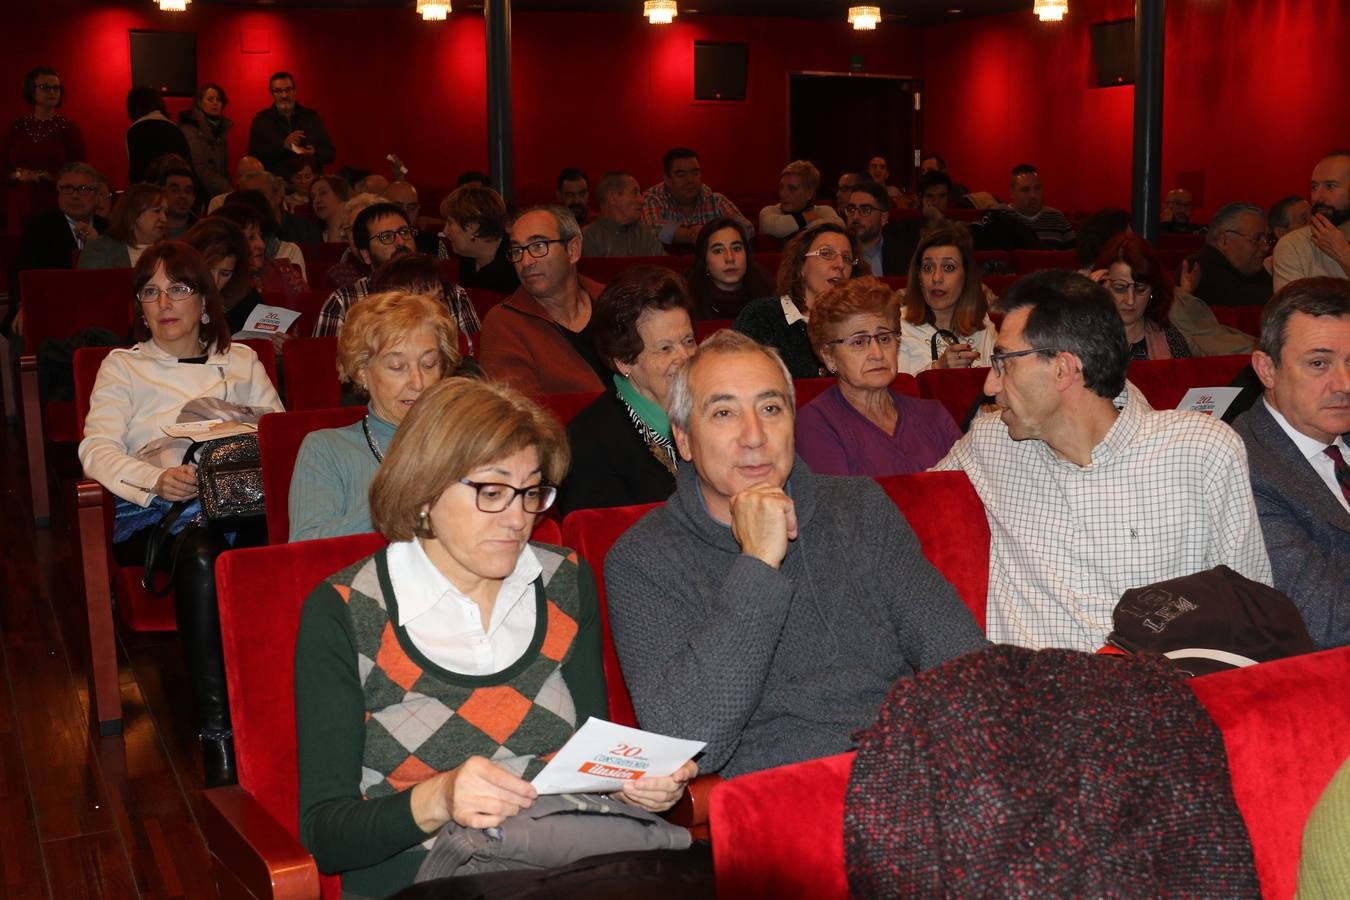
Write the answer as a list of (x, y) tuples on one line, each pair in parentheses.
[(522, 346)]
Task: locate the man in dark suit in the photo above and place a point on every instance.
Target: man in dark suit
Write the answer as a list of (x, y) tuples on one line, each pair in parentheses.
[(286, 130), (53, 239), (887, 246), (1296, 449)]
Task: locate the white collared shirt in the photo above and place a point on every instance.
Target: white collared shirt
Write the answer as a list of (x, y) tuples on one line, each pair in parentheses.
[(448, 627), (790, 311), (1312, 448)]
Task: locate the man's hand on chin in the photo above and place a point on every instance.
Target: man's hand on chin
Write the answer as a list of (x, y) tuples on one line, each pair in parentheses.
[(763, 520)]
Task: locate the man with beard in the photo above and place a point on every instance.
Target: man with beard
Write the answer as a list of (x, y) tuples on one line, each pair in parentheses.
[(286, 129), (1323, 248), (1089, 491), (574, 192), (381, 232), (888, 246)]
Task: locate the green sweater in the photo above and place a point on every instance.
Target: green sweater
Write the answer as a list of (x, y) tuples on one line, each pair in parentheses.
[(375, 717)]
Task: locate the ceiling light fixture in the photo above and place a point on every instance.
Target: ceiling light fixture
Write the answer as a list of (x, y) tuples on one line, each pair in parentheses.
[(433, 10), (1051, 10), (660, 12), (864, 18), (173, 5)]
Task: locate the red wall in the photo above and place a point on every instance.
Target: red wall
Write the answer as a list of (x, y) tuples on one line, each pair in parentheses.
[(1254, 95), (1254, 89), (598, 91)]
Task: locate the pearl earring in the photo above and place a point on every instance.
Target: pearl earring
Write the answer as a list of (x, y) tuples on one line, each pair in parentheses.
[(206, 318)]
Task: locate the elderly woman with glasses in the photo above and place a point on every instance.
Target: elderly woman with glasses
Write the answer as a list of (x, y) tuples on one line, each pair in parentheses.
[(862, 425), (818, 258), (434, 678), (185, 353), (393, 346), (1132, 274)]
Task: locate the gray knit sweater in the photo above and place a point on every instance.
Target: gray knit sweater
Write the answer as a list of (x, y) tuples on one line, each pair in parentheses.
[(772, 666)]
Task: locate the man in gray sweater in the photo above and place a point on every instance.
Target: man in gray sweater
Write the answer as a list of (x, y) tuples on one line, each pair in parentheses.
[(764, 609)]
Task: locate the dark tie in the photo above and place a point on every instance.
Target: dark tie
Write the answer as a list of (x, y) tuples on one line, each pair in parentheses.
[(1342, 470)]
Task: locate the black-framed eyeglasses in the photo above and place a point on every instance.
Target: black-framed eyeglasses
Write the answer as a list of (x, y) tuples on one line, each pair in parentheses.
[(1138, 288), (49, 87), (1254, 238), (829, 254), (77, 188), (176, 293), (538, 249), (866, 209), (860, 342), (494, 497), (998, 360), (407, 232)]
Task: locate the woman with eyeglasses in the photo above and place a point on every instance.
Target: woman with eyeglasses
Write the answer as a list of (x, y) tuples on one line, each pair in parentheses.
[(185, 353), (724, 276), (433, 678), (1132, 274), (138, 220), (818, 258), (36, 146), (945, 322), (862, 425)]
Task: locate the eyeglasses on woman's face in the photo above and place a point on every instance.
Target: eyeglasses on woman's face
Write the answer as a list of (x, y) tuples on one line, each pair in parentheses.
[(494, 497), (859, 343), (829, 254), (176, 293)]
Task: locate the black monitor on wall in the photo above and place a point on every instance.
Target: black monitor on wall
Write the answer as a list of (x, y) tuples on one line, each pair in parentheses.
[(165, 61), (720, 70), (1113, 52)]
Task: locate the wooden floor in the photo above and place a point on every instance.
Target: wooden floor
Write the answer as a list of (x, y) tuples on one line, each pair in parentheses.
[(83, 815)]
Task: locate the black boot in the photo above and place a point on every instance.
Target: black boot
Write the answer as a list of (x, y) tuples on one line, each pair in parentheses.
[(194, 586)]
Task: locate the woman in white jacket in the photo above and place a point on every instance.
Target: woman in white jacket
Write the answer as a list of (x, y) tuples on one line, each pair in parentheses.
[(945, 323), (185, 353)]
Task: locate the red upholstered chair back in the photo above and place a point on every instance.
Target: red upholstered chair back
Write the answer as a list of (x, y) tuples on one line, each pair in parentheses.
[(957, 389), (808, 389), (1025, 261), (895, 282), (58, 303), (1243, 318), (308, 303), (483, 300), (708, 327), (1165, 381), (949, 520), (604, 268), (566, 406), (999, 284), (1286, 730), (261, 592), (311, 373), (591, 532), (998, 259), (279, 438)]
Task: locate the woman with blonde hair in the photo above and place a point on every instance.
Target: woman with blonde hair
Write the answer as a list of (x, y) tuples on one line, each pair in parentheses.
[(394, 346)]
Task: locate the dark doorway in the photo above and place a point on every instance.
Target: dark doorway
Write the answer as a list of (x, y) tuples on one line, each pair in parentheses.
[(839, 122)]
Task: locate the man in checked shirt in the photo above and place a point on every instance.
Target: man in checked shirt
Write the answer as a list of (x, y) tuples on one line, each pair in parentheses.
[(1090, 491)]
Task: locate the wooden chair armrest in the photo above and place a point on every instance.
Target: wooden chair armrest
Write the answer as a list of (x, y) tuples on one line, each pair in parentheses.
[(34, 438), (105, 690), (251, 854), (692, 809)]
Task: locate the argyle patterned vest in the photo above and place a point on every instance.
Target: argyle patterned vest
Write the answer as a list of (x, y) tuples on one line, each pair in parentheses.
[(422, 720)]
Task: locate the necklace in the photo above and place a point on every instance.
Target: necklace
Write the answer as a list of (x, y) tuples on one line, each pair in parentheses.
[(370, 440)]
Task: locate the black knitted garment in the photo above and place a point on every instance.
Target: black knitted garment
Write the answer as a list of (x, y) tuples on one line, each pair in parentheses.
[(1017, 773)]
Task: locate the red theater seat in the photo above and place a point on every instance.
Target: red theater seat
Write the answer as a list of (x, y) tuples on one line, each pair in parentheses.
[(956, 389), (808, 389), (565, 407), (1165, 381), (604, 268), (1286, 728), (707, 327), (483, 300), (279, 438), (310, 364), (1025, 261), (58, 304), (308, 304), (1244, 318)]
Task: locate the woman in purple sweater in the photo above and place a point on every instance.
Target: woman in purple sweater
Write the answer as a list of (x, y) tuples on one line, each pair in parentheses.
[(863, 426)]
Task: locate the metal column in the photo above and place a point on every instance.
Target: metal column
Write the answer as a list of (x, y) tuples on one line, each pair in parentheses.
[(1148, 109), (501, 159)]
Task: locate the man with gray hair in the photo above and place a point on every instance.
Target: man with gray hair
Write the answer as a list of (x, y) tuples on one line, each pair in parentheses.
[(1232, 262), (619, 229), (1323, 248), (539, 339), (764, 609)]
